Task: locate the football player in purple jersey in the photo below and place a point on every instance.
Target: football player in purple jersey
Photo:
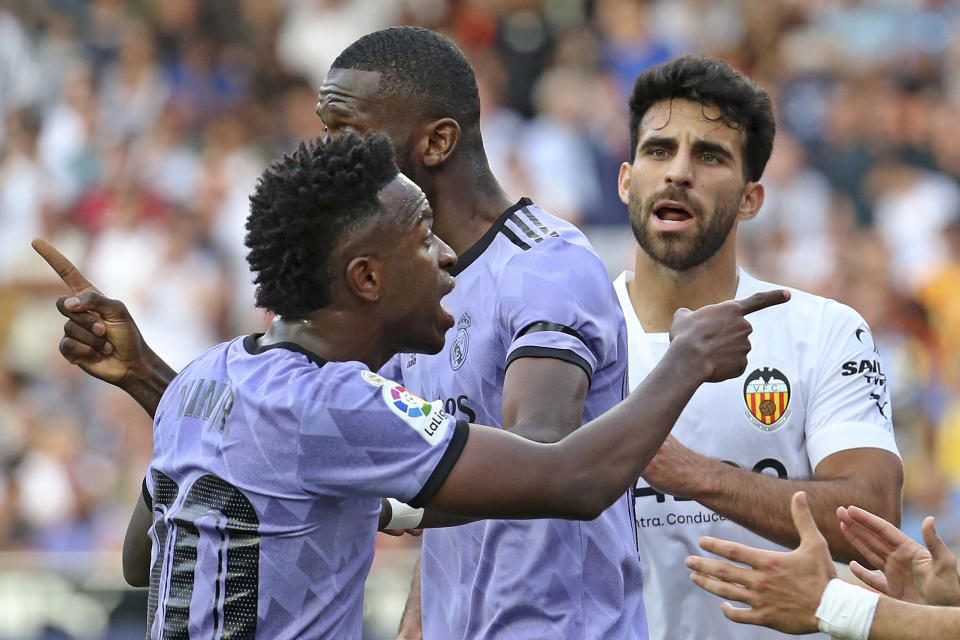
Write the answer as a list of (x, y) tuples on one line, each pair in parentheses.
[(538, 348), (271, 451)]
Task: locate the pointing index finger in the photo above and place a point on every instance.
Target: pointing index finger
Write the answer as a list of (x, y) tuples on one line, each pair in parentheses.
[(762, 300), (65, 269)]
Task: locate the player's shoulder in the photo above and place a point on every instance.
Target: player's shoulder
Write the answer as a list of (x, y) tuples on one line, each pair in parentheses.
[(528, 245), (274, 369), (804, 308), (538, 236), (333, 388)]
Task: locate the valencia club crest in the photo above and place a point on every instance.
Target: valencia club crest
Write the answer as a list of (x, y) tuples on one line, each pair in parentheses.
[(767, 395)]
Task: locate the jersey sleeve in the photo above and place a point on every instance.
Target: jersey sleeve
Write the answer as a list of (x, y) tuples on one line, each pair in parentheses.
[(849, 407), (559, 303), (362, 434)]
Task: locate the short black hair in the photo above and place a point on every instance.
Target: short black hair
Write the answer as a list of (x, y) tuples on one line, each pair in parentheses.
[(302, 207), (744, 105), (422, 65)]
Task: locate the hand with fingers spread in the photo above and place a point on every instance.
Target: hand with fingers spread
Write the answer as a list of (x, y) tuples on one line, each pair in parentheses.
[(910, 572), (782, 589), (101, 338), (717, 336)]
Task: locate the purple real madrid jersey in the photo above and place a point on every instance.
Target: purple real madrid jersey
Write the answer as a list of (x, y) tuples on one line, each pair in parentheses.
[(531, 287), (267, 471)]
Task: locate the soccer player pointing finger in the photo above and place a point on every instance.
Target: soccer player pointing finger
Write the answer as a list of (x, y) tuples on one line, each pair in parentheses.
[(271, 452)]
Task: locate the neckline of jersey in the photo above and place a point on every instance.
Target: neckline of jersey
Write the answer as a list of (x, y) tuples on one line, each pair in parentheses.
[(254, 349), (469, 256)]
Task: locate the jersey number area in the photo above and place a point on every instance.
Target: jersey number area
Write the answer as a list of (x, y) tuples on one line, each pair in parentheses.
[(229, 550)]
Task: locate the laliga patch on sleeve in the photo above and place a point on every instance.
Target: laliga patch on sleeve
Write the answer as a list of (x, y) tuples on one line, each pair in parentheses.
[(426, 418)]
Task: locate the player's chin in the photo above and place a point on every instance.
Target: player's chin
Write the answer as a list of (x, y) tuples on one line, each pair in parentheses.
[(434, 343)]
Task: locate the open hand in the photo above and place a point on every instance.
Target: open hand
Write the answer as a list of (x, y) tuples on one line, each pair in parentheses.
[(910, 571), (781, 588)]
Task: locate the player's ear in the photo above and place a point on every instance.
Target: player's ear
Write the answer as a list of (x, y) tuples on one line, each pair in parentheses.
[(439, 140), (623, 182), (751, 201), (364, 277)]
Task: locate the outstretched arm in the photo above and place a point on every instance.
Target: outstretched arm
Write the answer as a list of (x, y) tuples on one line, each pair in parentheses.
[(602, 458), (102, 339)]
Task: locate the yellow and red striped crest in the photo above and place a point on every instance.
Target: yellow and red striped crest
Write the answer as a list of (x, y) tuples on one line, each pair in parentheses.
[(767, 395)]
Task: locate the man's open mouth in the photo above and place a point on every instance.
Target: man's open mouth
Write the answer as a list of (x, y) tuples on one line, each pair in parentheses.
[(672, 211)]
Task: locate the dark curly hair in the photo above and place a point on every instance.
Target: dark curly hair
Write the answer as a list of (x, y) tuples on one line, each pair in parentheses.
[(424, 66), (745, 106), (302, 207)]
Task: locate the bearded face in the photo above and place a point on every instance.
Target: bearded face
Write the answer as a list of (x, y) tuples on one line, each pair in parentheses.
[(683, 249), (685, 187)]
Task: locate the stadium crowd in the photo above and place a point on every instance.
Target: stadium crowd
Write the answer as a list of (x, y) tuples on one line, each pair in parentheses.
[(131, 134)]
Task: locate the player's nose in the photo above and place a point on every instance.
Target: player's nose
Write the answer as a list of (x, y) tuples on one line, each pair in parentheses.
[(680, 170), (447, 257)]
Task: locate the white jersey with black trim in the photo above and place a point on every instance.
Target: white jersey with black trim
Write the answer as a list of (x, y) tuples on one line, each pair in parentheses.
[(813, 386)]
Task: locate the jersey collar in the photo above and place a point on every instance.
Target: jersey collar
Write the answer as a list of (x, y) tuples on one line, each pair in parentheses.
[(470, 255), (251, 347)]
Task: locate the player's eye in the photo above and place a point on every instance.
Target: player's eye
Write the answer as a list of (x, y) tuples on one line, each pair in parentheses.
[(710, 158), (659, 152)]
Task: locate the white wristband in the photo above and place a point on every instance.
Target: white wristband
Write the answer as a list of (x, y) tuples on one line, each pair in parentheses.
[(846, 610), (403, 516)]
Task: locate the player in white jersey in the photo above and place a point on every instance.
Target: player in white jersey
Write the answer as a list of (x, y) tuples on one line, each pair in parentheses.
[(812, 409)]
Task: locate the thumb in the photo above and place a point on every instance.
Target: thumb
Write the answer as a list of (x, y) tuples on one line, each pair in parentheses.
[(934, 544), (108, 309), (678, 317), (803, 518)]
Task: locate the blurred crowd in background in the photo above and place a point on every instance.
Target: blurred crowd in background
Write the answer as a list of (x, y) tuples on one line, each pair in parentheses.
[(132, 132)]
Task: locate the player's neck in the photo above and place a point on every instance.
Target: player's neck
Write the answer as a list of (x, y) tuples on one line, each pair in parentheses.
[(465, 205), (336, 336), (657, 291)]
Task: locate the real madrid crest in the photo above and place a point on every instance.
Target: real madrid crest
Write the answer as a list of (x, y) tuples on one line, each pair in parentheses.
[(458, 350), (767, 395)]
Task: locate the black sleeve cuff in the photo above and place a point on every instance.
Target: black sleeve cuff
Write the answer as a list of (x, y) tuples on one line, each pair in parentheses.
[(147, 498), (457, 442), (550, 352), (552, 326)]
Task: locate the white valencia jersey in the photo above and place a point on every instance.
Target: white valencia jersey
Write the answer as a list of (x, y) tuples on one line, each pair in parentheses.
[(812, 387)]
